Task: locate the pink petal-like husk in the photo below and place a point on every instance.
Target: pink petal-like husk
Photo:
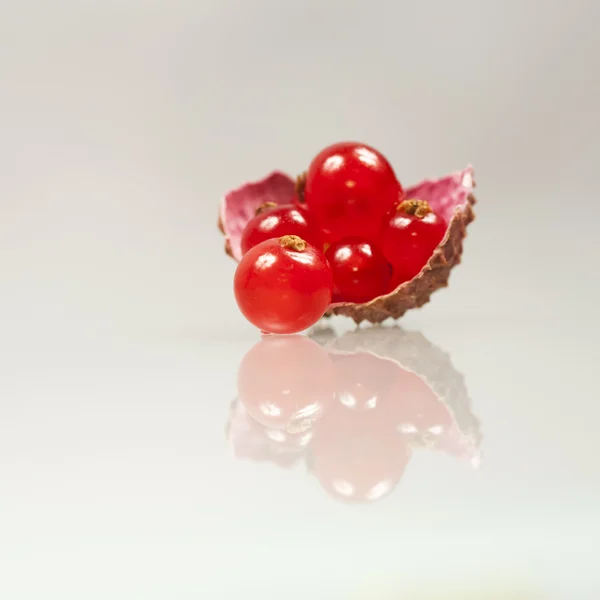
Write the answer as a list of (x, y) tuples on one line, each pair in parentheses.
[(239, 206)]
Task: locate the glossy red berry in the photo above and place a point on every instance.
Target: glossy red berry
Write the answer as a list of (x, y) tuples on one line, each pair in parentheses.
[(349, 188), (360, 270), (286, 382), (283, 285), (409, 238), (273, 221)]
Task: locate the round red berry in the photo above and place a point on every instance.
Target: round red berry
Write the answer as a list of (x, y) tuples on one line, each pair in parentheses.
[(349, 188), (409, 238), (285, 382), (360, 270), (273, 221), (283, 285)]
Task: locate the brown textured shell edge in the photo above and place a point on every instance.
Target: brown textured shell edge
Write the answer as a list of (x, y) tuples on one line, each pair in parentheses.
[(227, 244), (417, 291)]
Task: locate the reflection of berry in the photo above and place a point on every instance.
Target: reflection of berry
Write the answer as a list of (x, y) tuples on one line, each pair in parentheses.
[(285, 382), (356, 456), (360, 271), (274, 221), (419, 411), (362, 380), (349, 188), (249, 439), (283, 285)]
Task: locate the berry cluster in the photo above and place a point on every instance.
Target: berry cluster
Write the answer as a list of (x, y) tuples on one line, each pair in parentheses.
[(349, 235)]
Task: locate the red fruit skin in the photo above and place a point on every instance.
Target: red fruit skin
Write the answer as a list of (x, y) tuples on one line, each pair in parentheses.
[(360, 270), (285, 382), (349, 189), (287, 219), (282, 290), (407, 242)]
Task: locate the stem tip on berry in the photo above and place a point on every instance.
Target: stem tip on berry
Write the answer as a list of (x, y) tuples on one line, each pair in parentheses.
[(418, 208), (293, 242)]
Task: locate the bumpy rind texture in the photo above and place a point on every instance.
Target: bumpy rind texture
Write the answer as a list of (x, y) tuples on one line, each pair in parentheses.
[(451, 197), (412, 351)]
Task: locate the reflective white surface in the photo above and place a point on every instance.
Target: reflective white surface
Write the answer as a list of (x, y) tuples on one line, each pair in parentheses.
[(120, 473)]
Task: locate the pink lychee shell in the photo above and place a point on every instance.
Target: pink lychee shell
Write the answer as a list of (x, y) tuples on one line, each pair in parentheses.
[(451, 197)]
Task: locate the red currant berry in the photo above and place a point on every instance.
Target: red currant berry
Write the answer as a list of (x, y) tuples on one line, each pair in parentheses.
[(360, 271), (285, 382), (409, 238), (273, 221), (283, 285), (349, 188)]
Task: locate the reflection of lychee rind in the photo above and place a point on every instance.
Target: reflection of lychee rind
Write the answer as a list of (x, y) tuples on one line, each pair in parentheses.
[(412, 351)]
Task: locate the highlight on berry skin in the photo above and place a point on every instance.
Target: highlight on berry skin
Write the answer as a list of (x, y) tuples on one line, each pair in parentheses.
[(349, 189)]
